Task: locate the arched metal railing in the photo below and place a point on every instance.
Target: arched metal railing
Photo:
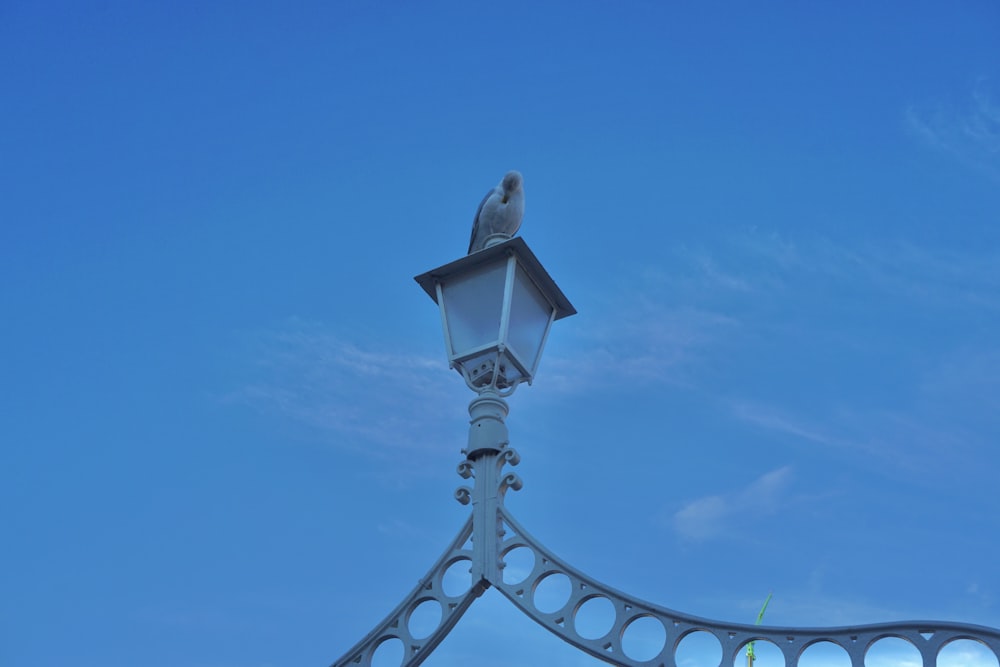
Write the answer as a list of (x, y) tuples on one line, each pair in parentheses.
[(431, 591), (928, 637), (492, 533)]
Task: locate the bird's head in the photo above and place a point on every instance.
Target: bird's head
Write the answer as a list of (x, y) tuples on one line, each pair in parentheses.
[(512, 182)]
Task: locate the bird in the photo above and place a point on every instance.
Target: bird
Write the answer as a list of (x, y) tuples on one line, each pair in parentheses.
[(500, 212)]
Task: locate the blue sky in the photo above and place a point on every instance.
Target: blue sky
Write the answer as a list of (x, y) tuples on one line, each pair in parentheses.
[(228, 434)]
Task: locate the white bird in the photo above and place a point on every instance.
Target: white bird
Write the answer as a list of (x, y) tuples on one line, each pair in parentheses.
[(500, 212)]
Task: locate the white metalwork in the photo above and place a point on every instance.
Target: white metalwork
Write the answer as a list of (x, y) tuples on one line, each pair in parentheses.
[(429, 589), (491, 533)]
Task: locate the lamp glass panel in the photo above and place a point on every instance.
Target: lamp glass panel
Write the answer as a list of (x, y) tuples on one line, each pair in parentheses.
[(473, 304), (530, 313)]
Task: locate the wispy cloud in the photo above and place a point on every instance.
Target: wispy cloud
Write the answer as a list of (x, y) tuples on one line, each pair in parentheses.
[(309, 374), (707, 272), (773, 419), (935, 391), (981, 594), (966, 380), (908, 441), (970, 134), (644, 342), (715, 516), (898, 268), (677, 314), (651, 328)]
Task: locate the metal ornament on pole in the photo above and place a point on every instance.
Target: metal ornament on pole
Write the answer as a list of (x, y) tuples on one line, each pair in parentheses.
[(497, 306)]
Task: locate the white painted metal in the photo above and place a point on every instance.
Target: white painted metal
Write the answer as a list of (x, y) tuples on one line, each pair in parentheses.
[(492, 532)]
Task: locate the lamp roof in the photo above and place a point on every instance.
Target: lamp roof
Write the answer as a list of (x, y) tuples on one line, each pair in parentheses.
[(525, 258)]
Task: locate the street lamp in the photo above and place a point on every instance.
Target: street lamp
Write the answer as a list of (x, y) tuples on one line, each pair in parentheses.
[(497, 306)]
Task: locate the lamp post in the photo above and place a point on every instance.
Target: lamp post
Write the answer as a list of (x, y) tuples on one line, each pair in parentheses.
[(497, 306)]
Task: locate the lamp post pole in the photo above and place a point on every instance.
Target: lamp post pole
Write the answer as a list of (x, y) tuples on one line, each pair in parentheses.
[(486, 455)]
